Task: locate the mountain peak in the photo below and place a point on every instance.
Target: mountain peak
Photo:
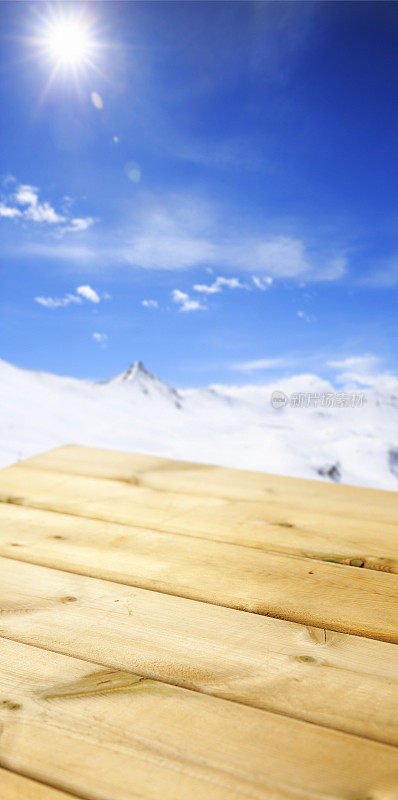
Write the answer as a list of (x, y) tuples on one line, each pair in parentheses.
[(139, 377), (134, 372)]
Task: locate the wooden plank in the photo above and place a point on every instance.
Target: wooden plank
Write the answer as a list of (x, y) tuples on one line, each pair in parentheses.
[(212, 481), (309, 592), (103, 733), (18, 787), (270, 664), (94, 462), (259, 525), (99, 463)]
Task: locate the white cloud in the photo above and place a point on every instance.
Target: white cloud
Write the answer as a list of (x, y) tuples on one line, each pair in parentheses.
[(77, 254), (184, 301), (8, 179), (357, 362), (79, 224), (214, 288), (57, 302), (173, 236), (50, 302), (241, 152), (204, 289), (23, 203), (181, 232), (385, 274), (9, 211), (304, 316), (184, 232), (260, 364), (150, 304), (88, 293), (283, 256), (67, 203), (262, 283), (335, 269), (44, 212), (101, 338), (356, 369), (28, 196)]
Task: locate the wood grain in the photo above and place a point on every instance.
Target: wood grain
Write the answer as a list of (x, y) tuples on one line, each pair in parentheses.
[(270, 664), (18, 787), (130, 664), (331, 596), (210, 480), (102, 733), (266, 526)]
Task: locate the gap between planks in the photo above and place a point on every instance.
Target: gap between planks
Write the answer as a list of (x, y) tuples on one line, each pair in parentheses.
[(278, 666), (112, 733)]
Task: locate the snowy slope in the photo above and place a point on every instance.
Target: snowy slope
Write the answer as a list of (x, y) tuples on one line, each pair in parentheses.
[(233, 426)]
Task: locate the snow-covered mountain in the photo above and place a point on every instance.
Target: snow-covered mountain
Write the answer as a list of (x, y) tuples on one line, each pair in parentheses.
[(138, 377), (232, 426)]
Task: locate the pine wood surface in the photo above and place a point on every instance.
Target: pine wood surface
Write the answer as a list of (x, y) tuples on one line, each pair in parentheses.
[(170, 630), (18, 787)]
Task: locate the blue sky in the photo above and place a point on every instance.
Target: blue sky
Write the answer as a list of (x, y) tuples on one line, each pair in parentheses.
[(214, 192)]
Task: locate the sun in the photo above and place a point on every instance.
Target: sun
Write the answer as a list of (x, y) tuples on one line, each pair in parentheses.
[(67, 38), (67, 42)]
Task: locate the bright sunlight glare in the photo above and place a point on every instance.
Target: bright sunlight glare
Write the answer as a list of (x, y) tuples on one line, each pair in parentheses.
[(67, 42), (66, 39)]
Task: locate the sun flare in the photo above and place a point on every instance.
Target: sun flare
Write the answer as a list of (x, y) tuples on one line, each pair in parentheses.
[(68, 42)]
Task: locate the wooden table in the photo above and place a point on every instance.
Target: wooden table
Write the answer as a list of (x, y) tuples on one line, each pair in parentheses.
[(175, 631)]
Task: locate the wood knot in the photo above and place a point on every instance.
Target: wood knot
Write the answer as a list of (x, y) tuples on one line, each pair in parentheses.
[(10, 705), (357, 562), (18, 501), (68, 599), (106, 681), (306, 659)]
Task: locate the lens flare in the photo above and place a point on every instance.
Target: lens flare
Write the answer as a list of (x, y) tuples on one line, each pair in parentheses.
[(133, 171)]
